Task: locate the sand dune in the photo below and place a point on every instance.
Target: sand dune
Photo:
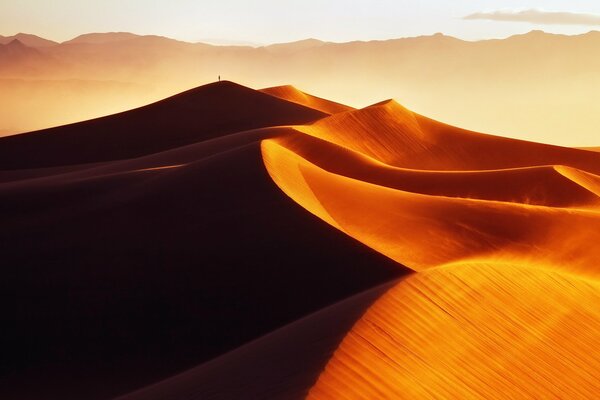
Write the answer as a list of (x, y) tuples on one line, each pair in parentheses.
[(134, 270), (501, 232), (197, 115), (473, 331), (554, 186), (399, 137), (423, 231), (281, 365), (238, 235), (294, 95)]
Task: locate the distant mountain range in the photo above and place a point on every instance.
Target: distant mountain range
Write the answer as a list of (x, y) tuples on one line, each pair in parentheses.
[(534, 86), (108, 37), (28, 40)]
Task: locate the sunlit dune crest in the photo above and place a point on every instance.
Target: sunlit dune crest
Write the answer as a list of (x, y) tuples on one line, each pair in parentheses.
[(555, 186), (591, 148), (291, 179), (423, 231), (589, 181), (501, 233), (294, 95), (473, 331), (399, 137)]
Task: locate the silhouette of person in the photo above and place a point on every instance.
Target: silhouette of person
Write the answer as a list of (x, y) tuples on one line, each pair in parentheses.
[(219, 78)]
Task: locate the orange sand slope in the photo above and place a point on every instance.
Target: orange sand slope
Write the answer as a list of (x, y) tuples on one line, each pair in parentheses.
[(502, 231), (473, 331), (540, 206), (211, 190), (294, 95)]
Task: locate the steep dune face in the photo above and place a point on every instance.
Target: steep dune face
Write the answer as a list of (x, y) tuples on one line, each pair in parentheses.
[(294, 95), (553, 186), (473, 331), (589, 181), (489, 197), (396, 136), (157, 267), (423, 231)]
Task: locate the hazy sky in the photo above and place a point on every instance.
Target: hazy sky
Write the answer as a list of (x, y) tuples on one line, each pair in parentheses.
[(270, 21)]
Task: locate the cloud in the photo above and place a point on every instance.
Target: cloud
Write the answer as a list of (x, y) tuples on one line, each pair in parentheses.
[(539, 17)]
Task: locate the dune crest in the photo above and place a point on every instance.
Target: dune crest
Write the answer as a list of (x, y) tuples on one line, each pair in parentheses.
[(193, 116), (290, 93), (399, 137), (501, 235), (552, 186)]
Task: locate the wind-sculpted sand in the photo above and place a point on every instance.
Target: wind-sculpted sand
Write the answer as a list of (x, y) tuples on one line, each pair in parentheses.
[(501, 233), (231, 243)]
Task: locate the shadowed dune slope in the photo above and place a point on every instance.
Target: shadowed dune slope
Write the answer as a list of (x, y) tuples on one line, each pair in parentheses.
[(125, 278), (282, 365), (473, 331), (396, 136), (502, 235), (198, 114), (127, 272), (294, 95), (175, 157)]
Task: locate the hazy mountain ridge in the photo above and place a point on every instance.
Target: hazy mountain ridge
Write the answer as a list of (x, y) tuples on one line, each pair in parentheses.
[(546, 83), (28, 39)]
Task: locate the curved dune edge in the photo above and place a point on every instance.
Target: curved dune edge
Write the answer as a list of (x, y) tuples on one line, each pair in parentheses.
[(291, 180), (585, 179), (503, 303), (552, 186), (283, 364), (396, 136), (422, 231), (294, 95), (473, 331)]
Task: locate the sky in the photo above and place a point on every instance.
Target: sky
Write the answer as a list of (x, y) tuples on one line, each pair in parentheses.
[(277, 21)]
